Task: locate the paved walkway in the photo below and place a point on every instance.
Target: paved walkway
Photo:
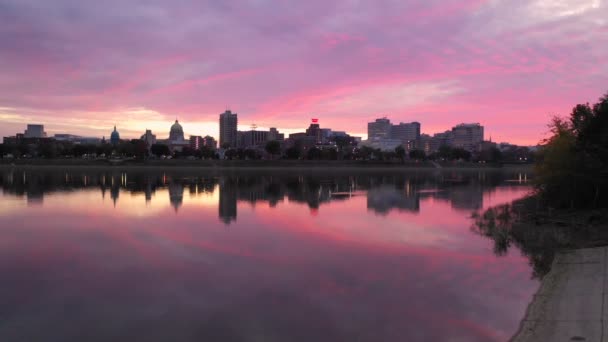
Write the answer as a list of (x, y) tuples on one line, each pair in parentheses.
[(570, 304)]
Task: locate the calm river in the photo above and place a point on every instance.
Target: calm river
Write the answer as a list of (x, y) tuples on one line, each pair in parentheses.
[(151, 255)]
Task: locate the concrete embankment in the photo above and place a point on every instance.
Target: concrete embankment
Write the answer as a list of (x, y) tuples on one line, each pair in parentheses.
[(570, 303)]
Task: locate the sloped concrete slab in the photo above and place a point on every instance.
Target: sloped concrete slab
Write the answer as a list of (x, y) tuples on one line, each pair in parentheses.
[(554, 331)]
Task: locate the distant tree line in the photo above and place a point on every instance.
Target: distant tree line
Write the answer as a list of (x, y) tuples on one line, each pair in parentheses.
[(572, 170)]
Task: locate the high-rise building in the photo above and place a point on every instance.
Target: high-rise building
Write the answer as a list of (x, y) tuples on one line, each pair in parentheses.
[(379, 129), (467, 136), (228, 129), (314, 130), (408, 133), (196, 142), (34, 131)]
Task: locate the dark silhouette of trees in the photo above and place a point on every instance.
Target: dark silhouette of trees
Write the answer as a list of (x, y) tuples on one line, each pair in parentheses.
[(160, 150), (313, 153), (273, 148), (572, 170), (417, 154), (400, 152), (293, 153)]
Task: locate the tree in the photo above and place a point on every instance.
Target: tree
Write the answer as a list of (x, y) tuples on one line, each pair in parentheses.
[(160, 150), (417, 154), (400, 152), (293, 153), (572, 170), (313, 153), (460, 154), (273, 147)]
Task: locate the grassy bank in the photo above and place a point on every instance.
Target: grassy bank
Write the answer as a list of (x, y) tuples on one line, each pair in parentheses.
[(540, 231)]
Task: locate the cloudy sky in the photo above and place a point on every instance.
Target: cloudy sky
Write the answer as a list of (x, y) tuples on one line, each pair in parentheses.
[(81, 66)]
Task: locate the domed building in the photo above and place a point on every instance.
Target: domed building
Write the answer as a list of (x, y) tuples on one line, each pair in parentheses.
[(176, 141), (177, 132), (114, 137)]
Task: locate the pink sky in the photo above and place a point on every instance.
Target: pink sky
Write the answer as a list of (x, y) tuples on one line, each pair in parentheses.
[(508, 64)]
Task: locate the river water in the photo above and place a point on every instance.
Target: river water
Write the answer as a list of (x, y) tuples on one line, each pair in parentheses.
[(188, 255)]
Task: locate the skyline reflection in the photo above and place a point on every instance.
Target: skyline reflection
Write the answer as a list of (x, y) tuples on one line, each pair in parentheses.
[(146, 255), (403, 192)]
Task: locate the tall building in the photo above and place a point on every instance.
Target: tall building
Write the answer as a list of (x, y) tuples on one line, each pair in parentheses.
[(34, 131), (196, 142), (228, 129), (379, 129), (408, 133), (114, 137), (149, 138), (467, 136), (314, 130)]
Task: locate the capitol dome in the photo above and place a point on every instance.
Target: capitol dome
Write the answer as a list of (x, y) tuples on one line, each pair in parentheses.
[(177, 132), (114, 137)]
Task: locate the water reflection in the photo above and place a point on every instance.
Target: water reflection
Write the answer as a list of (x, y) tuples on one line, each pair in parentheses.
[(193, 256), (464, 191)]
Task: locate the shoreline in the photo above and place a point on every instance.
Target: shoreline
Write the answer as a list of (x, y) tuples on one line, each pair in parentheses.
[(280, 165), (569, 303)]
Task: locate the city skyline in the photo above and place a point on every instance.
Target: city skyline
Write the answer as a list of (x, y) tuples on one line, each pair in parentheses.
[(509, 65)]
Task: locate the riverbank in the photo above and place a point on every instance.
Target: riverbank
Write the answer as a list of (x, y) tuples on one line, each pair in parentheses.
[(256, 164), (569, 305), (568, 251)]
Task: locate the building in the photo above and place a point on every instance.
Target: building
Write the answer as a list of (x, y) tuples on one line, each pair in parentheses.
[(385, 145), (379, 129), (408, 133), (440, 139), (149, 138), (34, 131), (314, 130), (252, 138), (273, 134), (467, 136), (209, 141), (114, 137), (76, 139), (228, 129), (176, 141), (196, 142)]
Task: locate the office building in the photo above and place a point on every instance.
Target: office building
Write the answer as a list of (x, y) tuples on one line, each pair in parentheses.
[(228, 129), (408, 133), (379, 129), (34, 131), (467, 136), (196, 142)]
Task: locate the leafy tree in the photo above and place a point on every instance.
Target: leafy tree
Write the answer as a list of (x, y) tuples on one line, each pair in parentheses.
[(417, 154), (400, 152), (572, 170), (80, 150), (250, 154), (2, 150), (313, 153), (231, 154), (460, 154), (293, 153), (273, 147), (160, 150)]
